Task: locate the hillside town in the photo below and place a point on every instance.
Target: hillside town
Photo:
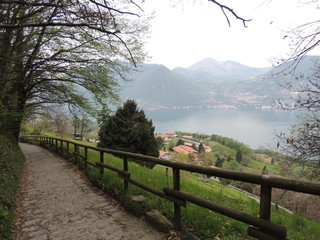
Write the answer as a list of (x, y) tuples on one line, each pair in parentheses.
[(185, 145)]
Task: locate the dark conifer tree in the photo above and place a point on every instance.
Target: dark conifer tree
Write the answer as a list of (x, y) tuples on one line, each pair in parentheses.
[(201, 148), (219, 162), (239, 156), (129, 130), (180, 142)]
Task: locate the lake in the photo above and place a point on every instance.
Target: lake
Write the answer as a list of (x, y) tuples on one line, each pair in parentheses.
[(254, 127)]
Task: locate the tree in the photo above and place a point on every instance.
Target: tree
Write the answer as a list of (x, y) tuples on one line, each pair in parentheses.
[(180, 142), (208, 159), (171, 145), (129, 130), (39, 123), (239, 156), (60, 121), (302, 141), (65, 52), (303, 38), (201, 148), (219, 162), (80, 122), (160, 143)]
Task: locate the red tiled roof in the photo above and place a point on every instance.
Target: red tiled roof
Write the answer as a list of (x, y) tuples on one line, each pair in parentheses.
[(162, 153), (171, 133), (189, 137), (162, 135), (188, 144), (184, 149)]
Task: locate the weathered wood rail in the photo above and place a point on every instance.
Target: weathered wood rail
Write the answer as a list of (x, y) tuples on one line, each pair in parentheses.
[(260, 227)]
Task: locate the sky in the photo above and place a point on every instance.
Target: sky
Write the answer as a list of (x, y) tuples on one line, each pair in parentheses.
[(184, 32)]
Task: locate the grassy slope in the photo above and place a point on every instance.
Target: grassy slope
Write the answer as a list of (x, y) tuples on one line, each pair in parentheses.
[(11, 164)]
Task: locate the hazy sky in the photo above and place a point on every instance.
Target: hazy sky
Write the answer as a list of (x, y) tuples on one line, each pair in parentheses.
[(184, 32)]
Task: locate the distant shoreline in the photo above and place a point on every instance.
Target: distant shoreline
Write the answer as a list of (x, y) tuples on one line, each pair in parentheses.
[(208, 107)]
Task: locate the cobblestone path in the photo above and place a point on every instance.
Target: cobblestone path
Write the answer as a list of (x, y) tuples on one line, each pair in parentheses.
[(57, 204)]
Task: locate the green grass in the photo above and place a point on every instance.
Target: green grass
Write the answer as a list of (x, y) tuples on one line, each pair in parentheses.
[(200, 221), (259, 165), (11, 165)]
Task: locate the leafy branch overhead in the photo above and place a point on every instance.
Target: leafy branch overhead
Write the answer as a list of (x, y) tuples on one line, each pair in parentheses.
[(65, 52)]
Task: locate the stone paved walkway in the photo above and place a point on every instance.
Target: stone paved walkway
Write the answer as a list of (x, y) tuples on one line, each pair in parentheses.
[(57, 204)]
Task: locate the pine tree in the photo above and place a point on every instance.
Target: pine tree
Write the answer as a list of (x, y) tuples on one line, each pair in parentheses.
[(239, 156), (219, 162), (201, 148), (180, 142), (129, 130)]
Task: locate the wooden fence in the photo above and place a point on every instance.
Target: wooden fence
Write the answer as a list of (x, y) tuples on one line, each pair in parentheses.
[(259, 227)]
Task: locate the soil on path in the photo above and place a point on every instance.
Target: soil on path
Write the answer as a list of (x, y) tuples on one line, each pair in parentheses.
[(58, 204)]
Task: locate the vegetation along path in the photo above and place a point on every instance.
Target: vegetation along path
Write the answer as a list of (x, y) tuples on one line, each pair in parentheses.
[(57, 203)]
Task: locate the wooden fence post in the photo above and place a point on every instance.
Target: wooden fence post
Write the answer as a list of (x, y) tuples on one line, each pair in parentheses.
[(265, 201), (61, 147), (101, 160), (68, 151), (76, 151), (86, 158), (177, 208), (125, 168), (56, 145)]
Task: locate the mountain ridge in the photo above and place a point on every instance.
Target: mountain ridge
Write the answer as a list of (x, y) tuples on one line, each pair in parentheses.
[(209, 83)]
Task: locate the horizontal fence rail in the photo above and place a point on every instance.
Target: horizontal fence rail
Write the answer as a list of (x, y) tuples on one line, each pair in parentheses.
[(260, 227)]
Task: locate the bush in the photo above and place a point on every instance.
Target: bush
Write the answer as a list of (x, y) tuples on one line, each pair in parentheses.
[(36, 132), (11, 165)]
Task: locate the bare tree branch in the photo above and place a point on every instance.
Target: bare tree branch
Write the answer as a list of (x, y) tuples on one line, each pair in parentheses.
[(225, 8), (56, 24), (29, 3)]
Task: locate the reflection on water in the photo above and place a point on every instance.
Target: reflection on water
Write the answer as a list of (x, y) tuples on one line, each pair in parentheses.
[(254, 127)]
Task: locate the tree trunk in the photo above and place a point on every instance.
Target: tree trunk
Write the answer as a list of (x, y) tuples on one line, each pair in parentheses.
[(12, 112), (10, 124)]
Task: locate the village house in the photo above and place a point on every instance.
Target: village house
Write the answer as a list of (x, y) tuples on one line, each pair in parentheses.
[(165, 137), (185, 150), (172, 134), (188, 144), (206, 148)]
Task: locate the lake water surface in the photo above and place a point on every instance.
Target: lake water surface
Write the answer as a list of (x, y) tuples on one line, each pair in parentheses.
[(254, 127)]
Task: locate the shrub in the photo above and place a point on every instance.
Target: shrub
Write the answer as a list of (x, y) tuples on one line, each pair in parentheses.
[(11, 164)]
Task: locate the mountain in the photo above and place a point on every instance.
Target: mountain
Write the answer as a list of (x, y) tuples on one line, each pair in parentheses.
[(305, 67), (155, 86), (227, 70), (209, 83)]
